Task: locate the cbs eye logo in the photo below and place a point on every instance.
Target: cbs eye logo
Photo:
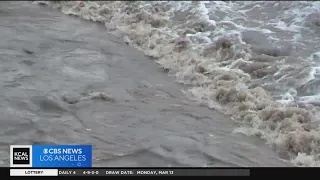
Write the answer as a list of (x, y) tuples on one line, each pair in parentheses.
[(20, 156)]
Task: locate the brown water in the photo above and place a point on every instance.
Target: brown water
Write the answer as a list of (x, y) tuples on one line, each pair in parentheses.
[(67, 81), (254, 61)]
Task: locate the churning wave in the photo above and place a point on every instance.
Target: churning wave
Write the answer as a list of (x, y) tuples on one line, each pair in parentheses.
[(257, 61)]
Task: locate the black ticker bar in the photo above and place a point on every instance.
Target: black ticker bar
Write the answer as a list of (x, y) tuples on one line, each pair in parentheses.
[(262, 172), (154, 172)]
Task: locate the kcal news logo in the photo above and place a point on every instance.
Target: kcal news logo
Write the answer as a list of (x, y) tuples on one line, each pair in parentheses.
[(51, 156), (21, 156)]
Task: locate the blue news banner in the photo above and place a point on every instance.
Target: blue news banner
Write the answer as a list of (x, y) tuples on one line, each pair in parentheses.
[(51, 156), (62, 156)]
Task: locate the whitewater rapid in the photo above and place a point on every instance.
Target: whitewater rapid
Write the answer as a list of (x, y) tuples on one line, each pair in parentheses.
[(256, 61)]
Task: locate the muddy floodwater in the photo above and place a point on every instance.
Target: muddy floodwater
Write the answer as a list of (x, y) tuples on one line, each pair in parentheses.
[(65, 80)]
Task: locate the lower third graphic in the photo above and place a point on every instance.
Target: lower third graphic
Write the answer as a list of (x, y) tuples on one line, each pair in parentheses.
[(39, 156), (79, 156)]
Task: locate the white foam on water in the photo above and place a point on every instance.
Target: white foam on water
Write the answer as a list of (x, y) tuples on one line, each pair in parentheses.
[(283, 26), (207, 52), (298, 14)]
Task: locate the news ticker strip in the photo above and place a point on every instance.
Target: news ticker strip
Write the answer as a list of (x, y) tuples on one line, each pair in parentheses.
[(130, 172)]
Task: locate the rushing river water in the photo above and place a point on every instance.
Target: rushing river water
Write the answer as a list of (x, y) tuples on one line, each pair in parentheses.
[(68, 81)]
